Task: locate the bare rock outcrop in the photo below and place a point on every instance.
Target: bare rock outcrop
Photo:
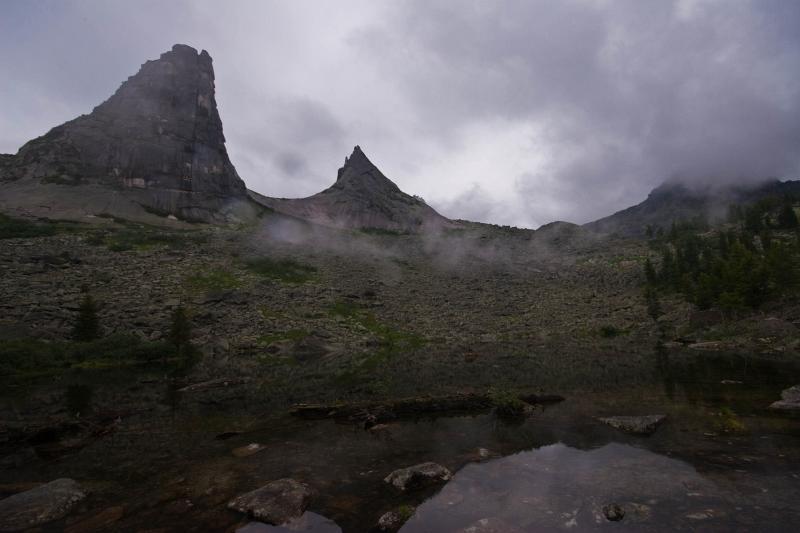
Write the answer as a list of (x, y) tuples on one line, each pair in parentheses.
[(157, 142)]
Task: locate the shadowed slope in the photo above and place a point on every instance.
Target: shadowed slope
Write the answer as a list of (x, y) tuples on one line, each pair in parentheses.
[(362, 197)]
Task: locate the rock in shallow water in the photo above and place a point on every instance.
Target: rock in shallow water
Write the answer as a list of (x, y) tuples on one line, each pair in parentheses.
[(276, 502), (790, 399), (38, 506), (639, 425), (418, 476)]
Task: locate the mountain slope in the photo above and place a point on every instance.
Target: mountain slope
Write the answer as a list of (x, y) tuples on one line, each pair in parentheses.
[(362, 197), (674, 201), (156, 143)]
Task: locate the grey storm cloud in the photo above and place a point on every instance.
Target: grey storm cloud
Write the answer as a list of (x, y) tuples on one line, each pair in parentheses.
[(512, 112)]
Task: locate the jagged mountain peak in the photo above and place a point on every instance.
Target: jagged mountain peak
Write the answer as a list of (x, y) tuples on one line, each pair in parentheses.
[(359, 173), (158, 139), (361, 197)]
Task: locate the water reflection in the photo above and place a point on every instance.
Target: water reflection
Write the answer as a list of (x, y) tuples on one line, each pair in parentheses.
[(309, 522), (557, 487), (78, 398)]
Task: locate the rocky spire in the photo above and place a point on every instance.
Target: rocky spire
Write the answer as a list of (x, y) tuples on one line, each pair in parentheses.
[(358, 172), (362, 197), (160, 132)]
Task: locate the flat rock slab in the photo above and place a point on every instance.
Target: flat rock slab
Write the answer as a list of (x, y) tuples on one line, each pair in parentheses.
[(790, 399), (638, 425), (276, 502), (418, 476), (43, 504)]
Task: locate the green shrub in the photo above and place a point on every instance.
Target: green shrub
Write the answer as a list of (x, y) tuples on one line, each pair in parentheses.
[(507, 403), (17, 228), (610, 332), (212, 280), (286, 270)]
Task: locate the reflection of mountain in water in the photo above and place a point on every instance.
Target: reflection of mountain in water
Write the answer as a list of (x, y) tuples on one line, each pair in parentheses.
[(557, 487)]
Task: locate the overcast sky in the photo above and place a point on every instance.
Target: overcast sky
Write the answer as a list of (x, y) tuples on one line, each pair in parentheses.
[(510, 112)]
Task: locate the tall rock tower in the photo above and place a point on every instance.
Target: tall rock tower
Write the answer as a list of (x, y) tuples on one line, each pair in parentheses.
[(157, 141)]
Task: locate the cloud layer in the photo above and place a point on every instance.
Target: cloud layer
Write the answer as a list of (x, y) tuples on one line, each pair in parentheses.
[(512, 112)]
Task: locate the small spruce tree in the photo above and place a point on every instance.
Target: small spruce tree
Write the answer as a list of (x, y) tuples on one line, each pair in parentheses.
[(787, 219), (87, 326), (180, 330)]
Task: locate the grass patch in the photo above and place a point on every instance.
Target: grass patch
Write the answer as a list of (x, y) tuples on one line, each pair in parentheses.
[(507, 404), (18, 228), (35, 356), (343, 308), (391, 343), (146, 239), (286, 270), (730, 422), (212, 281)]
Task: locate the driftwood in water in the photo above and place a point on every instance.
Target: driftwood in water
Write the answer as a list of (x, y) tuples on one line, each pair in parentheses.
[(214, 384)]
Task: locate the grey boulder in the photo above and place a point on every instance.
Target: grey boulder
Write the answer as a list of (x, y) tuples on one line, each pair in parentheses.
[(418, 476), (276, 502), (38, 506), (790, 399)]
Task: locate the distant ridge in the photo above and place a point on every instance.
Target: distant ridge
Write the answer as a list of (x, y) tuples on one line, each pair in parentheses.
[(362, 197), (675, 201)]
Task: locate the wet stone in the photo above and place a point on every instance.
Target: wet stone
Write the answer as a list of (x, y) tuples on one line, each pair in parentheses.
[(38, 506), (418, 476), (247, 451), (276, 502), (638, 425), (613, 512), (790, 399)]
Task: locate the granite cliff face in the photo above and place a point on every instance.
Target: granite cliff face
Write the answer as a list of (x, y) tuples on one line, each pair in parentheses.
[(157, 142), (361, 198)]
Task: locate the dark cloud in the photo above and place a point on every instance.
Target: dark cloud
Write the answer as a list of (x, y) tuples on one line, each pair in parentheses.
[(626, 93), (514, 112)]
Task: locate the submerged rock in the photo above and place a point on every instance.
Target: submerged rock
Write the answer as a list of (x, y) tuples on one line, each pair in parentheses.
[(790, 399), (490, 525), (276, 502), (639, 425), (307, 522), (43, 504), (101, 520), (418, 476), (248, 450), (613, 512)]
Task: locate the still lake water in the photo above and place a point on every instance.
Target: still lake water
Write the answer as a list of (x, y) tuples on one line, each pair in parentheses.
[(721, 462)]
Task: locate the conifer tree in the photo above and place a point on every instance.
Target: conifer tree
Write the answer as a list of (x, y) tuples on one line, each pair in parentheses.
[(180, 330), (87, 326)]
